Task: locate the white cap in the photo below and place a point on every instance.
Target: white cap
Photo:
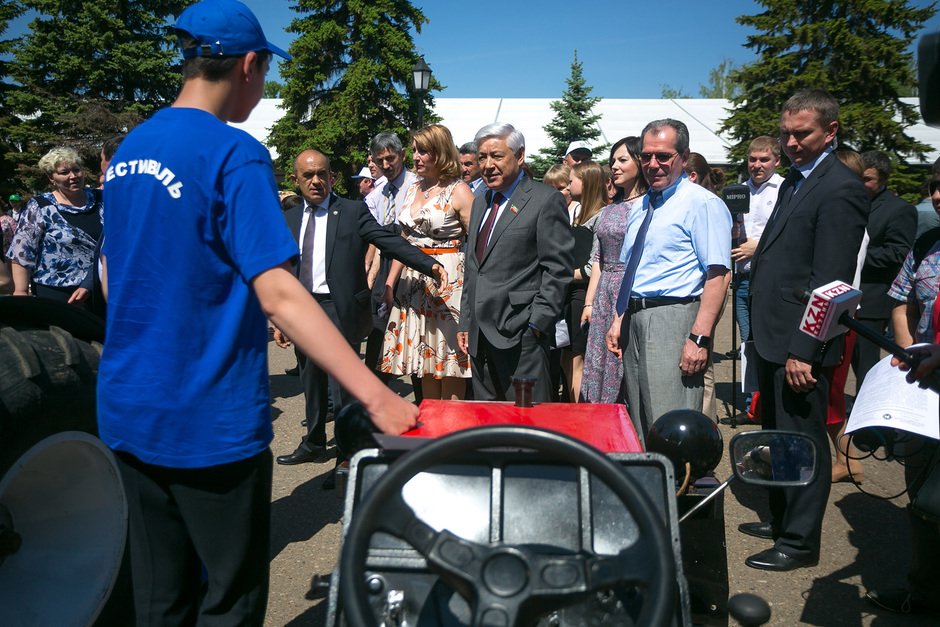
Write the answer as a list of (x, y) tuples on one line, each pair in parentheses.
[(577, 144), (364, 174)]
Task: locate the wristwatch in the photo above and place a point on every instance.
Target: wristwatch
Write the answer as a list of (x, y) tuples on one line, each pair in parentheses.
[(702, 341)]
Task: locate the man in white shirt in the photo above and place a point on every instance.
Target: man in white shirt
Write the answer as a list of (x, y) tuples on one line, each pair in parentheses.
[(763, 157), (385, 203)]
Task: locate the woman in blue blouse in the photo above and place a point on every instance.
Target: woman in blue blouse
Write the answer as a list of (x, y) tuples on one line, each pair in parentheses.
[(54, 245)]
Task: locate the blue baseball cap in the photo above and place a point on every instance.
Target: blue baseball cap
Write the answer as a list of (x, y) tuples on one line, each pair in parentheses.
[(224, 28)]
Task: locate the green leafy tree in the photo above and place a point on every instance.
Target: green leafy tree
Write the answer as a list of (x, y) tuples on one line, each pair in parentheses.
[(272, 89), (668, 91), (720, 83), (573, 120), (9, 9), (87, 70), (857, 50), (349, 79)]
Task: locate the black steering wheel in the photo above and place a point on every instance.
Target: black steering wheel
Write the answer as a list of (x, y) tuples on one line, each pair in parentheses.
[(511, 585)]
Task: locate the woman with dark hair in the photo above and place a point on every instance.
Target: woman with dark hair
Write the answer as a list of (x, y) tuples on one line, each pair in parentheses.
[(421, 337), (602, 378), (56, 235), (699, 172)]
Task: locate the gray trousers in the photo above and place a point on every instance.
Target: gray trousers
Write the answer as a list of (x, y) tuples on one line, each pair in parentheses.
[(652, 341)]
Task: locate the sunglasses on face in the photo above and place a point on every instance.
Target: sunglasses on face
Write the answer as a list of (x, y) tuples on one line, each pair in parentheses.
[(661, 157), (933, 187)]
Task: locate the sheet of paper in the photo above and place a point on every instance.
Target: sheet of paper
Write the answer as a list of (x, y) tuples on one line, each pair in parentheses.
[(888, 400)]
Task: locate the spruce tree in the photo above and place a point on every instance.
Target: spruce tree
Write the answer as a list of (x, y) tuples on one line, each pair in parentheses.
[(9, 9), (88, 70), (573, 120), (860, 51), (349, 79)]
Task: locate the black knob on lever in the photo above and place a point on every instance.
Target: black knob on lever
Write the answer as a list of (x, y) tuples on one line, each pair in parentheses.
[(749, 609), (353, 430)]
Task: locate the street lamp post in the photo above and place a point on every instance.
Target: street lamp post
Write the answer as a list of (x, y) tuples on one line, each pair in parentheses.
[(421, 76)]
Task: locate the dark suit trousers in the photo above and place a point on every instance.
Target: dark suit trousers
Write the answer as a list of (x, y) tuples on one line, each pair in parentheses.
[(493, 368), (379, 324), (798, 512), (866, 354), (315, 381)]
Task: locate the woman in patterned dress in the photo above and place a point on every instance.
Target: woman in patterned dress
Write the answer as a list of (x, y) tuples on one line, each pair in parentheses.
[(602, 378), (421, 338), (56, 235)]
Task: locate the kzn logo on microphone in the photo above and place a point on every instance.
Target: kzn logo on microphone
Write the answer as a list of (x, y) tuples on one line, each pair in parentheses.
[(815, 316), (826, 304)]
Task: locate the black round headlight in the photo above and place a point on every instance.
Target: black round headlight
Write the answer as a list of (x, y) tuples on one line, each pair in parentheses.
[(686, 435)]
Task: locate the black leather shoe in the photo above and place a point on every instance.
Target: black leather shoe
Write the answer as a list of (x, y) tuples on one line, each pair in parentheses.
[(901, 601), (330, 482), (775, 560), (757, 529), (304, 455), (303, 423), (292, 372)]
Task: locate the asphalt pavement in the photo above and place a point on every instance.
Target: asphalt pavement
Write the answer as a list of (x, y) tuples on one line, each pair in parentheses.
[(866, 541)]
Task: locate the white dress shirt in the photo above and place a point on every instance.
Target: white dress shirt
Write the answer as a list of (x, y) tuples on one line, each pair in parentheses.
[(319, 214)]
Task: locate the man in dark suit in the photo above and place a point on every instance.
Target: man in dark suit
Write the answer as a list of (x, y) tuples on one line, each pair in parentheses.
[(470, 172), (812, 238), (333, 234), (518, 266), (892, 224)]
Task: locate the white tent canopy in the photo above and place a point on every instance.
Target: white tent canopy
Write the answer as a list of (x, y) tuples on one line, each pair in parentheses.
[(619, 118)]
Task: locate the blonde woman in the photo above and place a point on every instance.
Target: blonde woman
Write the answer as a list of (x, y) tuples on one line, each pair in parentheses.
[(421, 337)]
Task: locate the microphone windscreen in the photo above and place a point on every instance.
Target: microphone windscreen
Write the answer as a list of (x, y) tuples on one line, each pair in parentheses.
[(824, 306), (737, 197)]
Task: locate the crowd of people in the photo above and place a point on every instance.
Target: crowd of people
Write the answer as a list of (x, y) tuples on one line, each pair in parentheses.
[(606, 281)]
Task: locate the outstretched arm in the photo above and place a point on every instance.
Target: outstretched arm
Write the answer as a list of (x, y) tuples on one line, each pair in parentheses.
[(292, 310)]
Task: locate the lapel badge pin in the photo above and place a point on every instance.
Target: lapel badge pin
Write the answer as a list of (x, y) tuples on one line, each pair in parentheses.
[(514, 209)]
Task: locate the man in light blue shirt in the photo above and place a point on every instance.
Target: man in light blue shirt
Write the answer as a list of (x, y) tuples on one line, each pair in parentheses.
[(667, 315)]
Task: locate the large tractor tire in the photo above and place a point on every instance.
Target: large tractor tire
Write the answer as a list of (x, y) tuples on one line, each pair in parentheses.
[(63, 515)]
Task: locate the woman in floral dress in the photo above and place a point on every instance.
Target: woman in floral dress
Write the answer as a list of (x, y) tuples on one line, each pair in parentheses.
[(421, 338), (602, 379), (56, 235)]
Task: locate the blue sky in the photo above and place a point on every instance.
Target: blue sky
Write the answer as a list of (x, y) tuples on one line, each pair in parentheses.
[(629, 49)]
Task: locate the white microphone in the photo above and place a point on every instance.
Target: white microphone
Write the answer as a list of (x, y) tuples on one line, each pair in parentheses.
[(825, 305), (830, 311)]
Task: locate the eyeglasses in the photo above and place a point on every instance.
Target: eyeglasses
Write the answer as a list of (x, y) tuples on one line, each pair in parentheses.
[(934, 186), (661, 157)]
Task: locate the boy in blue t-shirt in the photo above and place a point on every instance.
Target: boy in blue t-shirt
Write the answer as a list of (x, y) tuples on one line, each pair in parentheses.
[(196, 257)]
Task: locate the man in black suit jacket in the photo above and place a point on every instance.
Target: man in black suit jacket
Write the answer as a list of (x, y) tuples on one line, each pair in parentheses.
[(340, 231), (892, 224), (518, 265), (812, 238)]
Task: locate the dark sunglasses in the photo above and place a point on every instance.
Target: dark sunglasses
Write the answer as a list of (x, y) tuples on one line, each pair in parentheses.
[(933, 187), (661, 157)]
